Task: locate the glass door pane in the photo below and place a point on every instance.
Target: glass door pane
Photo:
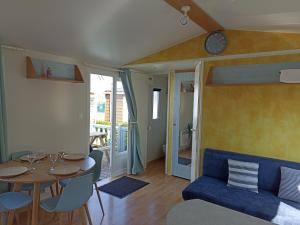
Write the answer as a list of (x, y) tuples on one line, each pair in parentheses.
[(120, 130), (101, 111)]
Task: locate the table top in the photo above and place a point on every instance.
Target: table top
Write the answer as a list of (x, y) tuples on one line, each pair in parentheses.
[(198, 212), (93, 134), (41, 173)]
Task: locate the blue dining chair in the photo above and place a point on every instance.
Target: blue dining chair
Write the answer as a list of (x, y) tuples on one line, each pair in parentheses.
[(97, 155), (11, 201), (29, 187), (75, 196)]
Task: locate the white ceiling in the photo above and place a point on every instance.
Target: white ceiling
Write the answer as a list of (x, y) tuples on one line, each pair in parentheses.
[(115, 32), (264, 15), (108, 32)]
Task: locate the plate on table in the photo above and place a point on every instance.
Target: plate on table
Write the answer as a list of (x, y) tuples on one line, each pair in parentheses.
[(74, 156), (13, 171), (37, 158), (65, 170)]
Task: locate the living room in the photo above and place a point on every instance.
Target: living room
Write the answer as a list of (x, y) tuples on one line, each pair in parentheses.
[(209, 126)]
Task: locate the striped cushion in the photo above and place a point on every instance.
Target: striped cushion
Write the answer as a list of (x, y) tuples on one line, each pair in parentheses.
[(290, 184), (243, 175)]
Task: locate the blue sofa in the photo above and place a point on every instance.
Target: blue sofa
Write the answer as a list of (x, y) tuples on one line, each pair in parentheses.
[(212, 187)]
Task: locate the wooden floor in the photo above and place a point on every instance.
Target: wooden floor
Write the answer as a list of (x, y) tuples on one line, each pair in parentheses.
[(187, 153), (147, 206)]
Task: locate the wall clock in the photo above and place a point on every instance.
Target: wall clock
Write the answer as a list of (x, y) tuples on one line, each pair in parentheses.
[(215, 43)]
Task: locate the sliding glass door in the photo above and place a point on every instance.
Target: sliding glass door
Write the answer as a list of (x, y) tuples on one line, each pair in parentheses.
[(109, 123)]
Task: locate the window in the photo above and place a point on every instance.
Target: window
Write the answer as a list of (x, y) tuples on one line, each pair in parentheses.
[(155, 103)]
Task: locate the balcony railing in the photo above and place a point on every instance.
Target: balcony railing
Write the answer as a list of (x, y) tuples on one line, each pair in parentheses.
[(121, 136)]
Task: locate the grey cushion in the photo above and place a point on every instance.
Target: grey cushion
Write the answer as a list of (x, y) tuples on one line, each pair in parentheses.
[(243, 175), (290, 184)]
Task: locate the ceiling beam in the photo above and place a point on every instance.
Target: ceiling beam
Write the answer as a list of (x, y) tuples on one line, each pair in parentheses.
[(196, 14)]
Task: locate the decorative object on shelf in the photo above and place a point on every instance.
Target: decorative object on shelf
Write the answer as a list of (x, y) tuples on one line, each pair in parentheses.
[(215, 43), (55, 71)]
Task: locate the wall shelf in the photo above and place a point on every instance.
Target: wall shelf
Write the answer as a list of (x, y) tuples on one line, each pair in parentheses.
[(249, 74), (61, 72)]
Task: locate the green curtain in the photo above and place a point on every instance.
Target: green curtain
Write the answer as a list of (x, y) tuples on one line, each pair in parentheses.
[(3, 134), (135, 163)]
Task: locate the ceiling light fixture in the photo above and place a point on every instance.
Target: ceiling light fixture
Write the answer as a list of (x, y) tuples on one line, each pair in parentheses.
[(184, 19)]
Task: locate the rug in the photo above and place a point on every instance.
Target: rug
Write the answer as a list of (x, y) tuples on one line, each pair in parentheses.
[(184, 161), (123, 186)]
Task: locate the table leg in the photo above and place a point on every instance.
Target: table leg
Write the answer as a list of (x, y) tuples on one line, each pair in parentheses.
[(35, 204), (11, 214), (57, 188)]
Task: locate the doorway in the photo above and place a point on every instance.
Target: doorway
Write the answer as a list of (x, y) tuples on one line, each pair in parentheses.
[(182, 125), (157, 122), (109, 123)]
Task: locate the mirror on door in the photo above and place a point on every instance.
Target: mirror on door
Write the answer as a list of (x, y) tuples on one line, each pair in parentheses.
[(186, 123)]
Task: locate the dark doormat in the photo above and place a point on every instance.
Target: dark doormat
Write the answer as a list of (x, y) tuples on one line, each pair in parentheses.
[(184, 161), (123, 186)]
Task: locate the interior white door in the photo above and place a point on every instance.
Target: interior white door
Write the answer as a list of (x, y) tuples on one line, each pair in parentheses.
[(197, 119), (182, 124)]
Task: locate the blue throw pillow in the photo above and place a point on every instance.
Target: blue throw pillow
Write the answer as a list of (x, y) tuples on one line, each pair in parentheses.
[(243, 175), (290, 184)]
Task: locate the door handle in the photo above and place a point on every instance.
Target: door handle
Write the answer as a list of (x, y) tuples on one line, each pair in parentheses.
[(193, 130)]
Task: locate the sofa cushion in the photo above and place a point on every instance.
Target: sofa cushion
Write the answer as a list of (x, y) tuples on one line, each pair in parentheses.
[(289, 184), (215, 165), (243, 175), (264, 205)]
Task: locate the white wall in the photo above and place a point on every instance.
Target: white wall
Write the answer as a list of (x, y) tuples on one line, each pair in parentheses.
[(51, 115), (44, 115)]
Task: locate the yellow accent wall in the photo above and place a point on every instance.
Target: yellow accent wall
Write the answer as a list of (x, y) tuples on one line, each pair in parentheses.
[(258, 119), (239, 42)]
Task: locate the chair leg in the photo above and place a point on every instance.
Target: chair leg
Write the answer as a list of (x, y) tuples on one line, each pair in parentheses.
[(28, 215), (52, 191), (88, 214), (99, 198), (82, 216), (17, 218), (61, 190), (71, 217), (11, 216)]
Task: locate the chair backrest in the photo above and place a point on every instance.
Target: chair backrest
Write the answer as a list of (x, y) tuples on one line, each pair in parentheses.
[(17, 155), (97, 155), (76, 194)]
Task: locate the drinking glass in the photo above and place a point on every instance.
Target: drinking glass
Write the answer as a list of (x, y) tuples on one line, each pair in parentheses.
[(53, 158), (61, 155), (31, 159)]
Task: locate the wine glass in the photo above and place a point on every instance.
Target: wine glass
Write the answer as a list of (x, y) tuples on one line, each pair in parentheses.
[(61, 155), (31, 159), (53, 158)]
